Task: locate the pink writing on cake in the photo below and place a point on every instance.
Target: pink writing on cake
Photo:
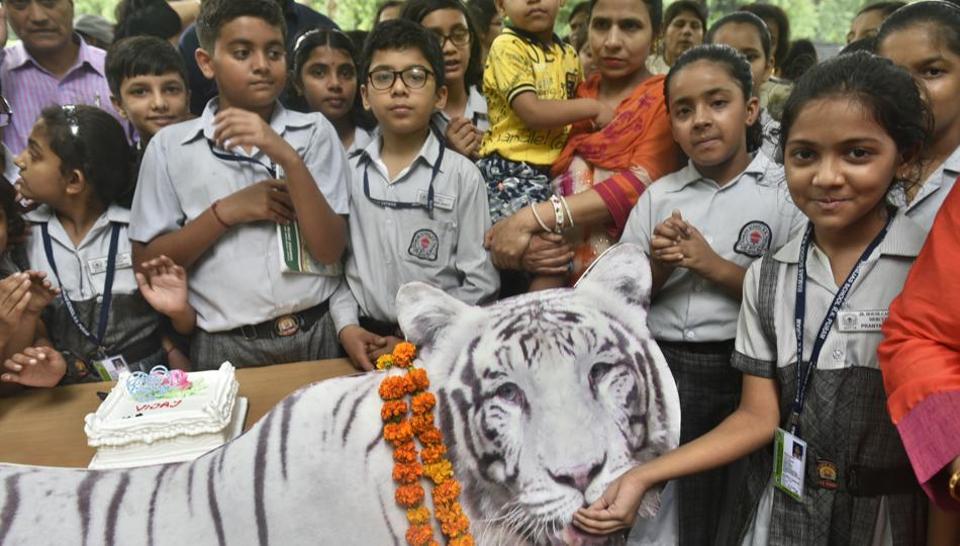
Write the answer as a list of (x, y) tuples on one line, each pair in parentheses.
[(158, 405)]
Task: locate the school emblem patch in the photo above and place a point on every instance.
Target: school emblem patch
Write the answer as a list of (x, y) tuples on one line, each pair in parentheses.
[(424, 245), (754, 240)]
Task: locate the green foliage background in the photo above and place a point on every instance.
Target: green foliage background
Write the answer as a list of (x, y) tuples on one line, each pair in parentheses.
[(818, 20)]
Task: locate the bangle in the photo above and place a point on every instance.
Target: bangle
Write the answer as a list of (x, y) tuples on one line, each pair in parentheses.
[(952, 485), (213, 209), (566, 207), (543, 225), (558, 213)]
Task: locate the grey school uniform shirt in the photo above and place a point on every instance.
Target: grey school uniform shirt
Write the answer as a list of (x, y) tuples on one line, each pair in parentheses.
[(392, 246), (475, 111), (239, 280), (742, 220), (925, 205)]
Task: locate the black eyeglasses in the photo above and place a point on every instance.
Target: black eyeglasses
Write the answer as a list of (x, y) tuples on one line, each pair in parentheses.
[(460, 37), (414, 77)]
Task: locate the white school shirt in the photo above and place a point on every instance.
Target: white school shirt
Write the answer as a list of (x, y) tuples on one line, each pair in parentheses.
[(361, 138), (238, 281), (881, 280), (741, 221), (390, 246), (475, 111), (925, 205)]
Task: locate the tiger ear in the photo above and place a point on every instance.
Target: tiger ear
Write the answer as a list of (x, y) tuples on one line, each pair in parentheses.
[(425, 312), (623, 269)]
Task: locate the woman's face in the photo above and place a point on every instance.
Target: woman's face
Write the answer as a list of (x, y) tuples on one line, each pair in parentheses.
[(450, 27), (683, 32), (620, 36)]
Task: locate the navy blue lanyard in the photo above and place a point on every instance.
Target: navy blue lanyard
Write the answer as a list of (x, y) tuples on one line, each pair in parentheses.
[(805, 370), (107, 287), (400, 204), (272, 169)]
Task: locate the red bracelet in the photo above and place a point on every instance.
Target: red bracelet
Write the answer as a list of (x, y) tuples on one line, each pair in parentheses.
[(213, 209)]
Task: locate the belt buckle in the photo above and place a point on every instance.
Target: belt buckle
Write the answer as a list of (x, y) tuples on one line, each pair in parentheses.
[(287, 325)]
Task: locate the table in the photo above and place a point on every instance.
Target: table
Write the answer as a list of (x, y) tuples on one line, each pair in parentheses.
[(45, 426)]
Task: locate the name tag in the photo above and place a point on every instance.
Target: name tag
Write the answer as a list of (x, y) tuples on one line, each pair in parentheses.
[(789, 460), (99, 265), (440, 200), (862, 321)]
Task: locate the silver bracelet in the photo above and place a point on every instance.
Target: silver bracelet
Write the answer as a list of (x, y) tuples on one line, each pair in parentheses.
[(533, 207), (566, 207)]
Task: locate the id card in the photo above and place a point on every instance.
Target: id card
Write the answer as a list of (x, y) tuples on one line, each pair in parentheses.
[(110, 368), (789, 463), (862, 321)]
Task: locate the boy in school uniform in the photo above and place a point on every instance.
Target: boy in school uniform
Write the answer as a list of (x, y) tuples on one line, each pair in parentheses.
[(213, 191), (418, 210), (148, 85)]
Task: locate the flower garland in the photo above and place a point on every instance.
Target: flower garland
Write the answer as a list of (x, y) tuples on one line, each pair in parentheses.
[(407, 471)]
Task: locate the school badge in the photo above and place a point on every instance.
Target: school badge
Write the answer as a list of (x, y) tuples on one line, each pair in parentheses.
[(754, 240), (424, 245)]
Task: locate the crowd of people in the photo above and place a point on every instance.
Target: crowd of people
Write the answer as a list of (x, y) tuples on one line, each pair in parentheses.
[(247, 182)]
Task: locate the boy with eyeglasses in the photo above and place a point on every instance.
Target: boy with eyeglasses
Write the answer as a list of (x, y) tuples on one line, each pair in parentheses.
[(418, 211)]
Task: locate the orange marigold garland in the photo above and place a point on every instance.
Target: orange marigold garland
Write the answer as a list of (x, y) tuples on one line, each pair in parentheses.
[(407, 470)]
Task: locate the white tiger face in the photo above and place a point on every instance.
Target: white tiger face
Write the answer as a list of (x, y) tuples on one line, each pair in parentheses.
[(547, 398)]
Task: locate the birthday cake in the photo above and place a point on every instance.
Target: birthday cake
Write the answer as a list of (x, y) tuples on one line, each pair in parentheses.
[(165, 416)]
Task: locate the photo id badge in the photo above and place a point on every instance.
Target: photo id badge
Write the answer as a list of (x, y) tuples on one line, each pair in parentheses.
[(789, 462), (110, 368)]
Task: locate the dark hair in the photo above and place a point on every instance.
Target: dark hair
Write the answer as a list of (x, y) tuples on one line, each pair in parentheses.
[(736, 66), (655, 9), (887, 91), (403, 34), (675, 9), (358, 37), (146, 18), (334, 39), (384, 6), (16, 227), (418, 10), (580, 38), (802, 57), (483, 12), (868, 44), (99, 150), (142, 56), (886, 7), (214, 14), (582, 7), (775, 13), (745, 18), (943, 15)]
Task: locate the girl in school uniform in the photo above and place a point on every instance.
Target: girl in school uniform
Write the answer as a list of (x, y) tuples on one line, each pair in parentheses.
[(924, 39), (850, 128), (325, 77), (704, 225), (79, 168)]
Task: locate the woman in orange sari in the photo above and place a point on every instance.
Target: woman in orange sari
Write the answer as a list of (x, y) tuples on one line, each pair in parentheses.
[(600, 174)]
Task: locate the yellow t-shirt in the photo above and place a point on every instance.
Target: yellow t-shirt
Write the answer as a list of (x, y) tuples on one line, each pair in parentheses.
[(515, 65)]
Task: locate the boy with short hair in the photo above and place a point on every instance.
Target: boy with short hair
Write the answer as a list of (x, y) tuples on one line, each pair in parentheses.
[(148, 84), (418, 210), (213, 190)]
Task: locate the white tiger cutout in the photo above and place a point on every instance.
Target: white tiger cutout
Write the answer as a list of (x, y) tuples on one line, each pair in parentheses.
[(543, 399)]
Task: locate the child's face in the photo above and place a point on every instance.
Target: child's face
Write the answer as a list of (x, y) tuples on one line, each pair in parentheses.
[(586, 59), (865, 25), (709, 115), (406, 106), (744, 38), (248, 62), (152, 102), (839, 162), (683, 32), (40, 177), (328, 80), (450, 26), (930, 61), (536, 16), (620, 37)]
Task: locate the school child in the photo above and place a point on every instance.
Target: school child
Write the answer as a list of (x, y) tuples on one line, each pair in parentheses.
[(147, 80), (849, 128), (79, 167), (529, 82), (325, 76), (418, 210), (704, 225), (749, 35), (217, 193), (463, 120), (924, 39)]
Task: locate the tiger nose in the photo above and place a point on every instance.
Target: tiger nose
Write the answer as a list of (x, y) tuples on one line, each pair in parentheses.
[(578, 477)]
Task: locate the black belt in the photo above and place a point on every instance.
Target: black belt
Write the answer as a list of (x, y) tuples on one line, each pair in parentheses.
[(381, 328), (874, 482), (285, 325), (706, 347)]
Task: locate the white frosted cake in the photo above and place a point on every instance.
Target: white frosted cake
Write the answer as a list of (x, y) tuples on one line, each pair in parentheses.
[(165, 417)]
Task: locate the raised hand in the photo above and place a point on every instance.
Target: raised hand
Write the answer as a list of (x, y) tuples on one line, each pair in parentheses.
[(42, 292), (35, 367), (164, 285)]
